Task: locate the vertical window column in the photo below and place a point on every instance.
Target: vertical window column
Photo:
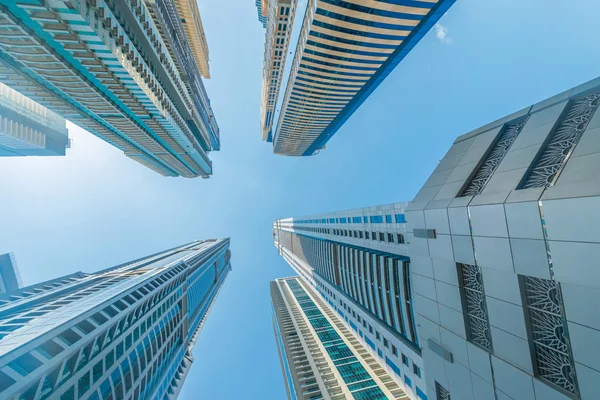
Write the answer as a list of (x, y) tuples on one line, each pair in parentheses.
[(396, 265)]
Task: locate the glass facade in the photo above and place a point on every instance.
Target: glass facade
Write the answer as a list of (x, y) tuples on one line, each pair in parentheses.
[(357, 261), (353, 373), (327, 360), (128, 72), (124, 332)]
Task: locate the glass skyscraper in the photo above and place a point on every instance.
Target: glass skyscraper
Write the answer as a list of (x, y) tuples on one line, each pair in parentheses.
[(323, 58), (28, 129), (125, 332), (320, 357), (358, 262), (127, 71)]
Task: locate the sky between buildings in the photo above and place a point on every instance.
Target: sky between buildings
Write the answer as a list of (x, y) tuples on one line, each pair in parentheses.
[(95, 208)]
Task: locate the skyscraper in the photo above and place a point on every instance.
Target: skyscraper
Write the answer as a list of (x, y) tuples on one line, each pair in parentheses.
[(323, 58), (278, 13), (129, 72), (358, 262), (28, 129), (503, 241), (123, 332), (261, 6), (320, 357)]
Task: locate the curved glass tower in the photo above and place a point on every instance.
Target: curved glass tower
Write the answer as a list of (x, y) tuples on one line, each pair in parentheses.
[(321, 358), (124, 332)]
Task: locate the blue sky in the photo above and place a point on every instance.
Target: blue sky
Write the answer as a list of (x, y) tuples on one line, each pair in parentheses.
[(95, 208)]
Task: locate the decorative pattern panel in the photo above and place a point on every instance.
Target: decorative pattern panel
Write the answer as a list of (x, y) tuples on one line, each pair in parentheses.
[(441, 393), (558, 149), (493, 159), (476, 320), (547, 327)]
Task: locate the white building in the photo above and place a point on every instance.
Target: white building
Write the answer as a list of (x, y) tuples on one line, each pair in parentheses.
[(320, 357)]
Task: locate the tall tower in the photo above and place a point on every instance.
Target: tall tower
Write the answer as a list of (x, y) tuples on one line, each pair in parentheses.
[(126, 71), (320, 357), (125, 332), (358, 261), (324, 58), (504, 242), (28, 129)]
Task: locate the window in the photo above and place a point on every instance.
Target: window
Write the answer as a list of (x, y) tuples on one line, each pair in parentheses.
[(25, 364), (49, 349), (381, 237), (360, 234), (377, 335), (404, 360), (370, 329), (99, 318), (355, 234), (394, 351), (416, 370), (376, 219), (110, 359), (388, 219), (68, 394), (400, 238), (385, 343), (364, 324), (85, 326), (367, 235), (84, 383), (374, 235), (400, 219), (390, 238), (97, 371), (69, 336)]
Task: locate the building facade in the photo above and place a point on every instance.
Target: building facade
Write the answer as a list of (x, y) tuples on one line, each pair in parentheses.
[(338, 53), (503, 240), (358, 262), (123, 332), (278, 14), (260, 7), (10, 277), (320, 357), (28, 129), (129, 72)]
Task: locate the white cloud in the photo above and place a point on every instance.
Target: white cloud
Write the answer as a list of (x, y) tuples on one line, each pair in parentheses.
[(441, 32)]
